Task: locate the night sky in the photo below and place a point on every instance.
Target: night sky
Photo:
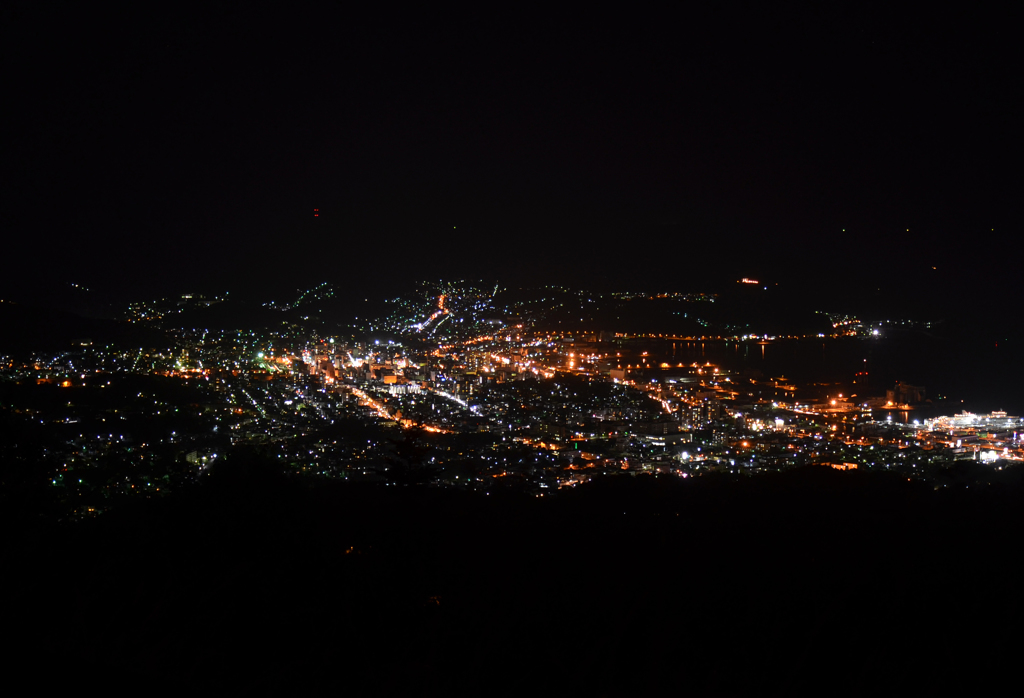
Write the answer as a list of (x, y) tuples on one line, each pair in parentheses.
[(162, 150)]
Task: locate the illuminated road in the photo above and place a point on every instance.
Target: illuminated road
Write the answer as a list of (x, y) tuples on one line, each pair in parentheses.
[(382, 412), (441, 311)]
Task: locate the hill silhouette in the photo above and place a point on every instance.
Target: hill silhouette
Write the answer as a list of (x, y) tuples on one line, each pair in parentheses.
[(28, 327), (806, 582)]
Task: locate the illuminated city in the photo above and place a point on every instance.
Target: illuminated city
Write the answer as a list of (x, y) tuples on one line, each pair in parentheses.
[(473, 388), (508, 353)]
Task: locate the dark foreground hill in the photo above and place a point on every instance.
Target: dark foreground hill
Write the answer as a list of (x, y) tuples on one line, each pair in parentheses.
[(812, 582)]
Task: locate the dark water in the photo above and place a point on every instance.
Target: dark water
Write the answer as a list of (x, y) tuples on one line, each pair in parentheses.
[(957, 374), (922, 412)]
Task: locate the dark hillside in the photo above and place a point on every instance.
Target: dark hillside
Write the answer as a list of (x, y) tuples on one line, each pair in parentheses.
[(809, 582)]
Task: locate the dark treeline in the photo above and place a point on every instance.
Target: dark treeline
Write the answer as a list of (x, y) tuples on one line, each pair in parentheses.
[(806, 582)]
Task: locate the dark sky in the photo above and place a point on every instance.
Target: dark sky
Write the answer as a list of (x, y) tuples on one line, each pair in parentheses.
[(155, 150)]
